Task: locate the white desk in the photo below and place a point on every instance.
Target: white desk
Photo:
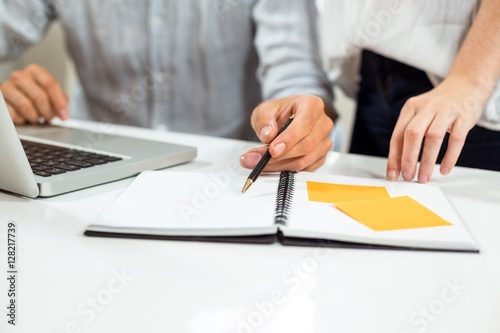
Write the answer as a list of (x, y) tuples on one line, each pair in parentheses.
[(67, 282)]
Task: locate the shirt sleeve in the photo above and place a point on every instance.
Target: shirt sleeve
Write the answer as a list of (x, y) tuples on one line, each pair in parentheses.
[(23, 23), (287, 44)]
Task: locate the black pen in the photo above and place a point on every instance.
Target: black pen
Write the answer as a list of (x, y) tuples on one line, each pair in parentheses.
[(263, 161)]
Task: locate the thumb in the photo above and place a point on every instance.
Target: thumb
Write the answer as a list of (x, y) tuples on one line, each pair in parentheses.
[(264, 122)]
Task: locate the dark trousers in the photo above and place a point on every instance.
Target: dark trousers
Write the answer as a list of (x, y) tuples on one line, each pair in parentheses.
[(384, 88)]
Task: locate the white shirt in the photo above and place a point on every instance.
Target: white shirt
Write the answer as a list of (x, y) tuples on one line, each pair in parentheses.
[(425, 34)]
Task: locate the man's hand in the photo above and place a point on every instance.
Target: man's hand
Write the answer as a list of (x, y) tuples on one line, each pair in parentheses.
[(303, 145), (454, 106), (34, 95)]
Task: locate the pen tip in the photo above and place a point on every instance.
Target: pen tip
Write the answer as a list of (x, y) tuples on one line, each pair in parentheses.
[(248, 183)]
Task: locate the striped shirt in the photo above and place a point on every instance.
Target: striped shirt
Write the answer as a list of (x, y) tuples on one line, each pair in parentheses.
[(196, 66)]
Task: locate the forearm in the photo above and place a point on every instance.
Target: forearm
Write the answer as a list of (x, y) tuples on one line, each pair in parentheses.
[(287, 43), (478, 60)]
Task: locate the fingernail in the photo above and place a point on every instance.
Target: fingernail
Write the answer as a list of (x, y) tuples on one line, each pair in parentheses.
[(63, 114), (407, 176), (279, 149), (265, 131), (251, 159), (444, 171), (391, 175), (423, 179)]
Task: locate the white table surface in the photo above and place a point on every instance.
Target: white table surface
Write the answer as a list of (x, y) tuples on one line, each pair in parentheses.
[(68, 282)]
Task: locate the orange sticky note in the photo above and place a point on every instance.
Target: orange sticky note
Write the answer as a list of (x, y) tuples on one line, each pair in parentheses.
[(392, 214), (333, 193)]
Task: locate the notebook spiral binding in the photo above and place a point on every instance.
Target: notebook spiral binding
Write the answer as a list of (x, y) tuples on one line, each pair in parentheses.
[(284, 197)]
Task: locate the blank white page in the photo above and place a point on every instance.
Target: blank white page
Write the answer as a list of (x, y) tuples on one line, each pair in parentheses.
[(193, 203)]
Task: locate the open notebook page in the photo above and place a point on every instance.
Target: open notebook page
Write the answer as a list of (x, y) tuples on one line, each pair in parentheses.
[(190, 204), (323, 220)]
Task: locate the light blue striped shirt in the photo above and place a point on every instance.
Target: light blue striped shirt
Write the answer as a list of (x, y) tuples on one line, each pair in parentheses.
[(197, 66)]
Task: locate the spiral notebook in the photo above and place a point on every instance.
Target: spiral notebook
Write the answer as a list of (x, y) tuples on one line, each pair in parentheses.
[(304, 209)]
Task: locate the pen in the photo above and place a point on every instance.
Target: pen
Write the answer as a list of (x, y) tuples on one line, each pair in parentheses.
[(263, 161)]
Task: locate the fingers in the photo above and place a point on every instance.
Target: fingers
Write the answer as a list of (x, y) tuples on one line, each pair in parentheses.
[(16, 118), (307, 162), (303, 145), (317, 137), (427, 118), (264, 119), (20, 104), (252, 157), (397, 143), (268, 118), (433, 140), (39, 103), (56, 95), (414, 124), (406, 141), (308, 128), (456, 142), (413, 136), (34, 94)]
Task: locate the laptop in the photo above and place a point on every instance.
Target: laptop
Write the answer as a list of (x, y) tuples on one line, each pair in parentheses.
[(47, 160)]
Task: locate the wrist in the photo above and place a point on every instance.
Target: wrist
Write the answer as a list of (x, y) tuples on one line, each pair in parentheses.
[(478, 87)]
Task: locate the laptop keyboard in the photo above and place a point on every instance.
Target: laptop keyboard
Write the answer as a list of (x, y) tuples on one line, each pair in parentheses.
[(47, 160)]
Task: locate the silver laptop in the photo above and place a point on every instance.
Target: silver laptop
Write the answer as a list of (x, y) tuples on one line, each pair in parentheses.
[(49, 160)]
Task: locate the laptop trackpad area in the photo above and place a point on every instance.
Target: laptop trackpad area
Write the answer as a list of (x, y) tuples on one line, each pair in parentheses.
[(77, 138)]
